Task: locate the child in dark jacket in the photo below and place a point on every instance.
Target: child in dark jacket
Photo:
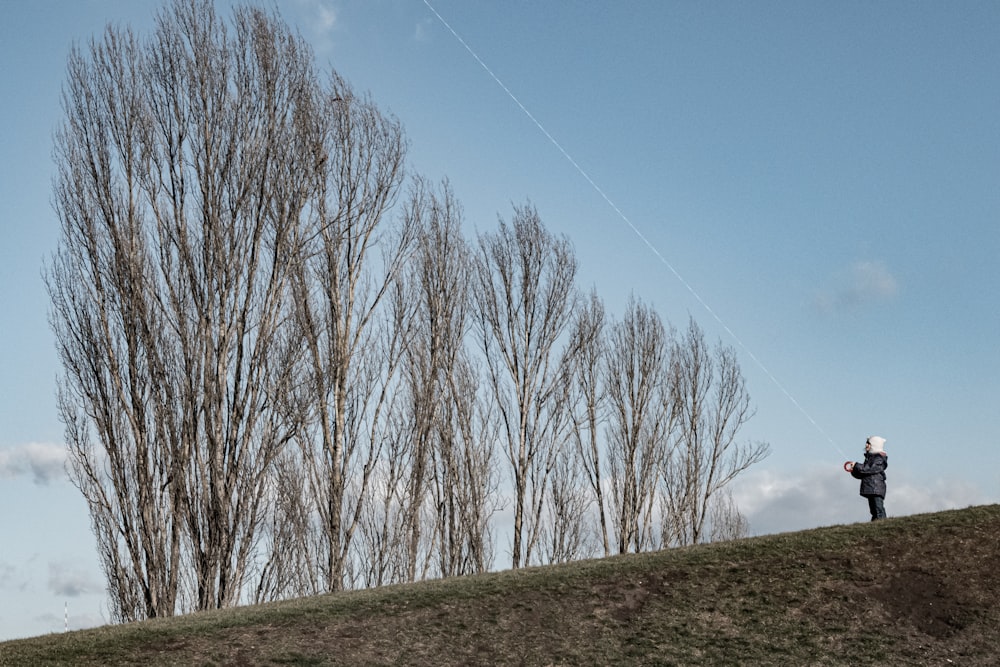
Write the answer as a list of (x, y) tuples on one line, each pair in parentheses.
[(872, 475)]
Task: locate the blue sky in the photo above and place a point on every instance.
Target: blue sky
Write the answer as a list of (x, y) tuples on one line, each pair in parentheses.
[(817, 184)]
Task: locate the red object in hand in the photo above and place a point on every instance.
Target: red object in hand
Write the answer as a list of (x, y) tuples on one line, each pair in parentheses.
[(848, 466)]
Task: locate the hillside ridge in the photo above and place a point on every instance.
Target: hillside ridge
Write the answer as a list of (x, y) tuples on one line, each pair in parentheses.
[(920, 590)]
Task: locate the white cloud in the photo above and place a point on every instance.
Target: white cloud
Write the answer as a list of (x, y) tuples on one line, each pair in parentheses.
[(45, 462), (422, 33), (326, 17), (940, 495), (321, 19), (11, 579), (862, 283), (777, 502), (64, 617), (68, 580)]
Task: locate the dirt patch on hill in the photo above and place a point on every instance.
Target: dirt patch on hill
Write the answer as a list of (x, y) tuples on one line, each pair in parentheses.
[(926, 601)]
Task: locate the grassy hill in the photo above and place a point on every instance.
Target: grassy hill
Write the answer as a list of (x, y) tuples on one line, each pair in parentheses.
[(918, 590)]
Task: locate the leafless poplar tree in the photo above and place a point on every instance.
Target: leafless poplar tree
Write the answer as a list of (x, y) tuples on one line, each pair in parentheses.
[(110, 335), (285, 568), (565, 533), (378, 553), (465, 486), (712, 404), (438, 282), (640, 421), (177, 192), (725, 521), (524, 302), (588, 403), (352, 349), (393, 543), (451, 468)]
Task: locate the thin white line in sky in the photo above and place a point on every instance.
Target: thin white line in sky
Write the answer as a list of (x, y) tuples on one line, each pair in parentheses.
[(628, 222)]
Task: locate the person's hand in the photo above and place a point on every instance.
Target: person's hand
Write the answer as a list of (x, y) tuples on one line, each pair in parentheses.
[(848, 466)]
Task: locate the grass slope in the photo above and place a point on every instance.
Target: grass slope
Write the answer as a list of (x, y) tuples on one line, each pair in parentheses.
[(918, 590)]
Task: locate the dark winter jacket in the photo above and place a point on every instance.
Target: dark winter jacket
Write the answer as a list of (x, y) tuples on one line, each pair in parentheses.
[(872, 474)]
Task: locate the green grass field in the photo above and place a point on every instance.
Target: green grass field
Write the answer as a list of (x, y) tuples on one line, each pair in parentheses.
[(918, 590)]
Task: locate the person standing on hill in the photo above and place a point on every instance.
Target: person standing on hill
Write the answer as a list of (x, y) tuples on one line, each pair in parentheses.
[(872, 475)]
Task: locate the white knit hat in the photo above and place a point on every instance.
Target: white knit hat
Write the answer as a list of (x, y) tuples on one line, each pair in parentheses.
[(877, 443)]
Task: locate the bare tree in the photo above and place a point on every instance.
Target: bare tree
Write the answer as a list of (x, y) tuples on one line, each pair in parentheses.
[(564, 533), (109, 333), (524, 302), (283, 569), (177, 191), (712, 404), (588, 402), (465, 486), (352, 350), (725, 521), (450, 465), (438, 284), (640, 421), (379, 555)]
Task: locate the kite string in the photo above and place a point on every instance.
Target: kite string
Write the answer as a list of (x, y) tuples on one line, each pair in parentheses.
[(627, 221)]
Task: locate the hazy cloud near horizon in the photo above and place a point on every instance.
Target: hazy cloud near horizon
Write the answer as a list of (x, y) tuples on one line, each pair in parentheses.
[(67, 617), (818, 496), (45, 462), (69, 580), (10, 578)]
